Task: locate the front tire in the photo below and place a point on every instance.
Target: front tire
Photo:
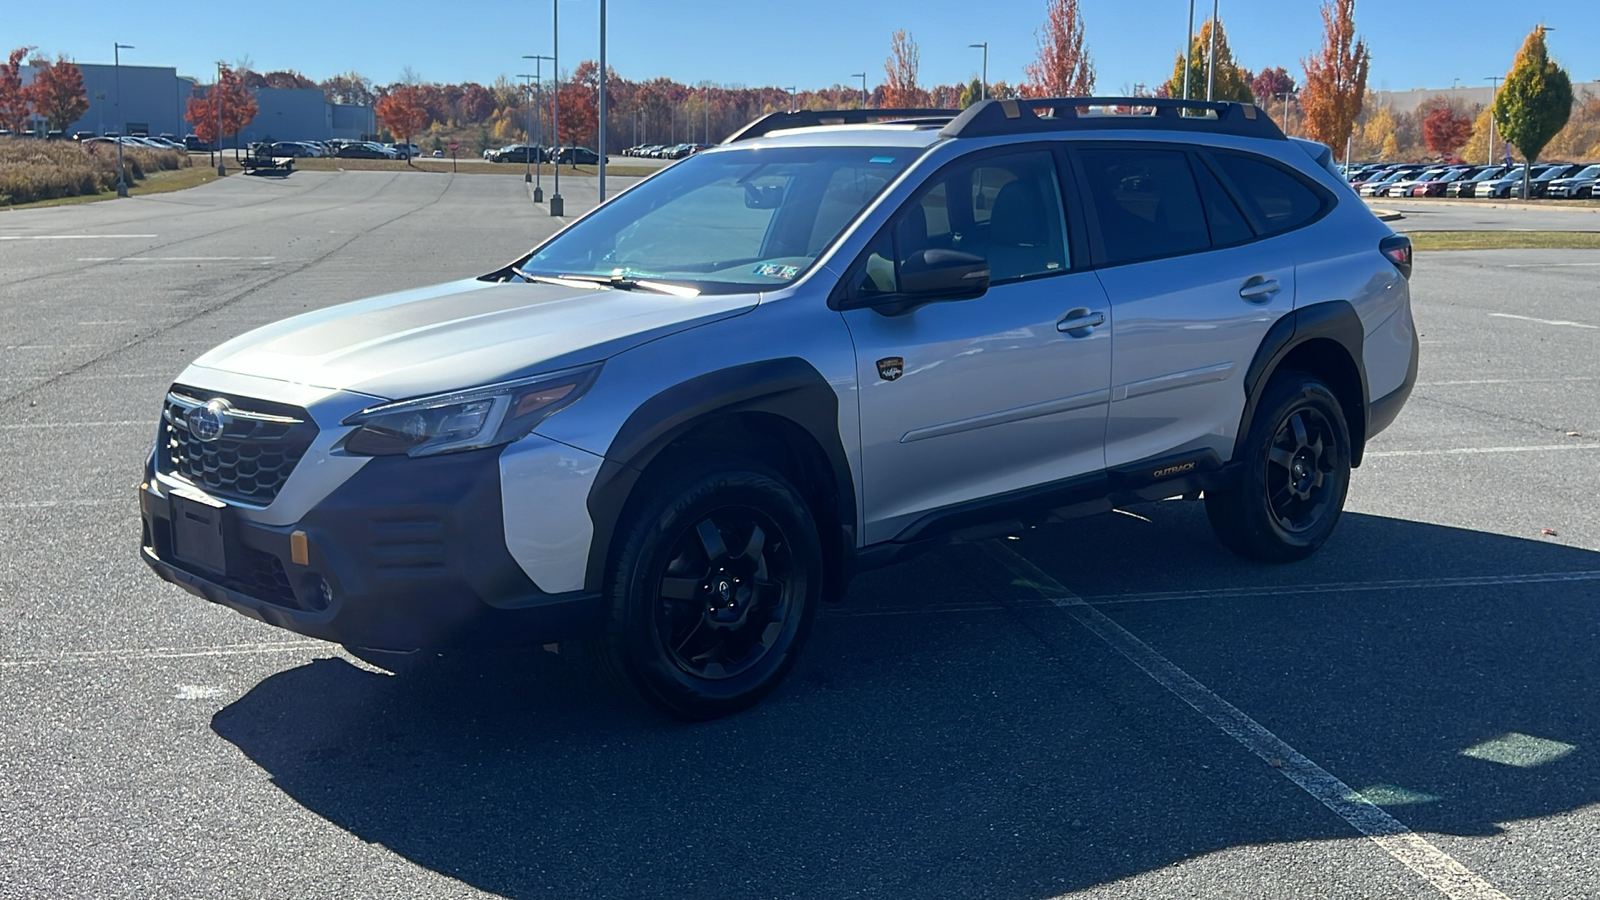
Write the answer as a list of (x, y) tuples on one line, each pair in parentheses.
[(713, 592), (1295, 473)]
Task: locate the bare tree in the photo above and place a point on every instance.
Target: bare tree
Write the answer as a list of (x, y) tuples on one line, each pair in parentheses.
[(900, 89)]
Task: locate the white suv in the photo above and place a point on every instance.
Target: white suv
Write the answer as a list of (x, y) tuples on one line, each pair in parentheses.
[(676, 427)]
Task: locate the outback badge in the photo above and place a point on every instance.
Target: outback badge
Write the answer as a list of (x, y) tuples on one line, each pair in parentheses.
[(891, 367)]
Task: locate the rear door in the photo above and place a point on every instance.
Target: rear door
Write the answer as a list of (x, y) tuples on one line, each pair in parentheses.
[(1194, 285)]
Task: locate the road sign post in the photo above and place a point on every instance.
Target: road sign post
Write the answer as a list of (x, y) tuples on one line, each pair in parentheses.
[(454, 145)]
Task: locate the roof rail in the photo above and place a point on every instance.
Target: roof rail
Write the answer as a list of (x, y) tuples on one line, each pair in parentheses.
[(1021, 116), (806, 118)]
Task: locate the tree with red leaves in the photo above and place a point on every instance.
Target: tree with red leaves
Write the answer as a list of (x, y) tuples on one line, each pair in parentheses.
[(404, 113), (57, 93), (900, 89), (238, 108), (15, 107), (1444, 132), (1063, 67), (1271, 83)]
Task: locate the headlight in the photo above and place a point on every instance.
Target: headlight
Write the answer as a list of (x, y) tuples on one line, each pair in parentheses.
[(465, 420)]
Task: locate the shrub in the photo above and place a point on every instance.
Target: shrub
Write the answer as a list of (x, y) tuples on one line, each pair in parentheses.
[(31, 169)]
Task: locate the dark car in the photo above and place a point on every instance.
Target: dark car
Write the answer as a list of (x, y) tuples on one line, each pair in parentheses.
[(1509, 185), (577, 156), (290, 148), (1465, 187), (1575, 186), (193, 142), (362, 151), (522, 153), (1541, 182)]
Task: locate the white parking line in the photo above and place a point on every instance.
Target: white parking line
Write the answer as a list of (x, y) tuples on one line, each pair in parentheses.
[(1351, 587), (1562, 322), (176, 258), (1469, 451), (1438, 868), (70, 237), (87, 656), (29, 426), (1550, 265), (1564, 380)]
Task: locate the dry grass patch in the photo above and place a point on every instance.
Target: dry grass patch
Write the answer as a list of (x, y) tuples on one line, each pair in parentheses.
[(32, 170), (1505, 240)]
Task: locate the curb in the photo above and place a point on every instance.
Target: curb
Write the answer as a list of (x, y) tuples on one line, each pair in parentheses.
[(1387, 215), (1498, 204)]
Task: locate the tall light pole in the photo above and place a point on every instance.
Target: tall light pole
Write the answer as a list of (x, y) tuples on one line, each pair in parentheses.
[(1286, 129), (1211, 55), (527, 163), (1494, 83), (602, 148), (984, 92), (218, 142), (1188, 50), (793, 97), (863, 77), (538, 125), (116, 63), (557, 206)]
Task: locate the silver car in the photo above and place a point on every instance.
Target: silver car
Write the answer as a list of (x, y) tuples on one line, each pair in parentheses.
[(674, 429)]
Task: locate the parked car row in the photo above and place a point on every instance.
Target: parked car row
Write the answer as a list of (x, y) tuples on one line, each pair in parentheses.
[(1567, 181), (664, 151), (528, 153)]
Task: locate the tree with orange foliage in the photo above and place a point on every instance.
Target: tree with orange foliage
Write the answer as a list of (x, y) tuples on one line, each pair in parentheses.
[(15, 107), (1444, 132), (238, 108), (57, 93), (1062, 68), (900, 89), (402, 112), (1336, 78)]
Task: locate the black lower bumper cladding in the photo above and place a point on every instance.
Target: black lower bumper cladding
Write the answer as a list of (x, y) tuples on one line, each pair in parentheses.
[(407, 554)]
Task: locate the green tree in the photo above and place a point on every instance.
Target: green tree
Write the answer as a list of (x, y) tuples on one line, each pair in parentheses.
[(972, 93), (1233, 80), (1535, 101)]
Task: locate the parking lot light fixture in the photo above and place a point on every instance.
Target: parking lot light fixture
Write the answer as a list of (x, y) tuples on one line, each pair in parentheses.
[(1188, 50), (601, 138), (1494, 87), (794, 96), (218, 142), (983, 86), (116, 67), (527, 164), (557, 206), (538, 125)]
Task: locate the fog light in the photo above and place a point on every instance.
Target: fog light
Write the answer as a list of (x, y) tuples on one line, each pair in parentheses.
[(325, 592)]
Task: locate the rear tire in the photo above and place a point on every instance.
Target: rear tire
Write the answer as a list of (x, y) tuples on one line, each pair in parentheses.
[(1295, 473), (713, 592)]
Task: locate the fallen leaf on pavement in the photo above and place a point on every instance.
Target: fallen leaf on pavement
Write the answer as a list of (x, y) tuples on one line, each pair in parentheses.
[(1549, 531)]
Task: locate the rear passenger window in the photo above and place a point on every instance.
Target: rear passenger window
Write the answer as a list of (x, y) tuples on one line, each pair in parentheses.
[(1147, 203), (1228, 226), (1278, 200)]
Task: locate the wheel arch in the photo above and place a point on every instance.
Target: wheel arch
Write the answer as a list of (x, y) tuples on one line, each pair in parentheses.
[(781, 412), (1325, 340)]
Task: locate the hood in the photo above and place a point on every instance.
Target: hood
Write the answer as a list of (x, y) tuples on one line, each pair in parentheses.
[(461, 334)]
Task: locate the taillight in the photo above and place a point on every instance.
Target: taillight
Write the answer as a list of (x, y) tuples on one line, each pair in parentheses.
[(1396, 248)]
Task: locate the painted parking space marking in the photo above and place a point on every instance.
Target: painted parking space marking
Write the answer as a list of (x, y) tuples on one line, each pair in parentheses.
[(118, 423), (1551, 265), (71, 237), (1441, 870), (139, 653), (1561, 322), (135, 259), (1470, 451)]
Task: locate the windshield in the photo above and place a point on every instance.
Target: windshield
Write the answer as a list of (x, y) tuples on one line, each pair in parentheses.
[(726, 221), (1590, 172)]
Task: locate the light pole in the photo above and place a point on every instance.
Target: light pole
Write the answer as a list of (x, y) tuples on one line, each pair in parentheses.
[(707, 99), (538, 123), (557, 206), (793, 97), (221, 171), (527, 163), (116, 63), (602, 148), (984, 86), (1211, 55), (1188, 50), (1494, 86), (863, 77), (1286, 95)]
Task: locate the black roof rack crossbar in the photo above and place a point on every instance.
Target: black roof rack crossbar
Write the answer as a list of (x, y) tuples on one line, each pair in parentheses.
[(806, 118), (997, 117)]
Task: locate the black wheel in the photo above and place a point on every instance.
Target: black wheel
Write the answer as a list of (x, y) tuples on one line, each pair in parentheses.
[(712, 594), (1295, 474)]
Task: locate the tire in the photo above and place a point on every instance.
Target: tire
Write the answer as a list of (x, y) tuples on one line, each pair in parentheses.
[(1295, 473), (713, 592)]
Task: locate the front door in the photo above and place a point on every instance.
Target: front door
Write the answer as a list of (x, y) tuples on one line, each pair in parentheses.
[(967, 400)]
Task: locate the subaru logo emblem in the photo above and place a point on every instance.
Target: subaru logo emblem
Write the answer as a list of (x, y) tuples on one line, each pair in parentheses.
[(207, 422)]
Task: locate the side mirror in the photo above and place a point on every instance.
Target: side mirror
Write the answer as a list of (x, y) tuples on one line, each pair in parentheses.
[(932, 276)]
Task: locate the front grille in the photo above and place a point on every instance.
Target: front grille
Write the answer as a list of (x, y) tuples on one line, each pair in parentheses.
[(259, 447)]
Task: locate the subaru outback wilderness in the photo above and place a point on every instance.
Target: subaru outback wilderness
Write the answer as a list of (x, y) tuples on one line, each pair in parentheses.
[(676, 427)]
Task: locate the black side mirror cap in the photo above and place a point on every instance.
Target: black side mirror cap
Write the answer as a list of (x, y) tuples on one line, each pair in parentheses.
[(929, 276)]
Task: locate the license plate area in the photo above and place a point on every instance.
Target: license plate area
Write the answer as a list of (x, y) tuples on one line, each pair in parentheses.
[(198, 525)]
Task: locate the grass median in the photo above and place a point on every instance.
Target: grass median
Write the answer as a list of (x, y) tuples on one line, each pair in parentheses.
[(466, 167), (1505, 240)]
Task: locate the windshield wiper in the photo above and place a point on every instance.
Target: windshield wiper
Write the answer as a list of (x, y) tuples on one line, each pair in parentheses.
[(630, 283)]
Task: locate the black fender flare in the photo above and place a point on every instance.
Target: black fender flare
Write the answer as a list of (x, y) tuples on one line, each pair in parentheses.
[(789, 388), (1333, 320)]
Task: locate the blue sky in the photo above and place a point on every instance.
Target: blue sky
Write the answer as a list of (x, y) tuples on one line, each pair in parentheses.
[(814, 43)]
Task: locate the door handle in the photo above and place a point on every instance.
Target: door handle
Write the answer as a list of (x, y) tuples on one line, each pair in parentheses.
[(1258, 289), (1080, 320)]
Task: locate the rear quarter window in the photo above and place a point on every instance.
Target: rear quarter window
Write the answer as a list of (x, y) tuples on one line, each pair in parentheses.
[(1278, 200)]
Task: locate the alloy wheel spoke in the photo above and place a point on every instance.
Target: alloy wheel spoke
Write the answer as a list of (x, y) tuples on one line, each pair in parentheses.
[(711, 540), (674, 588), (1282, 457), (758, 541), (1298, 424)]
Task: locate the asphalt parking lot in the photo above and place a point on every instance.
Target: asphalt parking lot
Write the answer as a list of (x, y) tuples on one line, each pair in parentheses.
[(1113, 707)]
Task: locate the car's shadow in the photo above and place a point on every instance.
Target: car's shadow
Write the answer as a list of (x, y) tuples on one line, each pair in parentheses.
[(949, 752)]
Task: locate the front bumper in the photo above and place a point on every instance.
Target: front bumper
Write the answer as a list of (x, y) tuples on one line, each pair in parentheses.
[(405, 554)]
